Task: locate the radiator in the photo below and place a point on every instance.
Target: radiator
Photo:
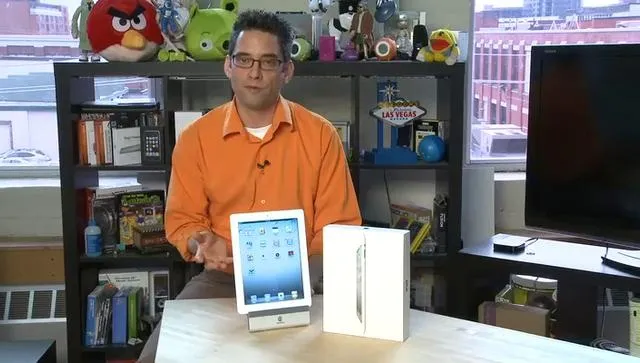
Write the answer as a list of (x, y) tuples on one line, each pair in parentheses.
[(29, 312)]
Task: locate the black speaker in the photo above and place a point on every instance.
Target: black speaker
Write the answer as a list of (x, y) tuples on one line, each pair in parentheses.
[(420, 39)]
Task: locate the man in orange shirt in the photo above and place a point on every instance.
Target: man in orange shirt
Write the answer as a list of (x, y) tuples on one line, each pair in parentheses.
[(259, 152)]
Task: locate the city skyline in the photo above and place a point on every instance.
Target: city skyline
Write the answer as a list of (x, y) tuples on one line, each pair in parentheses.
[(480, 4)]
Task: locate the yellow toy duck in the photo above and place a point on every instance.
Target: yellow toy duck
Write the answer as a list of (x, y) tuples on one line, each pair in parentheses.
[(443, 47)]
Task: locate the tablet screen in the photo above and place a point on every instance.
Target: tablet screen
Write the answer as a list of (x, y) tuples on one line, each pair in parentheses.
[(271, 264)]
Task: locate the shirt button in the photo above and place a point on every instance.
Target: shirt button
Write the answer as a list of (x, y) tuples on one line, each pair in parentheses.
[(263, 201)]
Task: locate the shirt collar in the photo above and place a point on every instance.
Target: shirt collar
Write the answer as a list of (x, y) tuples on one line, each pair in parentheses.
[(233, 123)]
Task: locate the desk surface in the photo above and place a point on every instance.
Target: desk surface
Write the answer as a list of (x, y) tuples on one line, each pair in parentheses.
[(210, 330), (27, 351), (546, 257)]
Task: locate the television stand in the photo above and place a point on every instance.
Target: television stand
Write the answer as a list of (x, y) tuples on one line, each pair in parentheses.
[(626, 260)]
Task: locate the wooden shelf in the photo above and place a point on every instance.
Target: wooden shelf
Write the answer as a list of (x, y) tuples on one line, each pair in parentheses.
[(136, 167), (215, 70), (132, 259), (419, 165), (121, 351)]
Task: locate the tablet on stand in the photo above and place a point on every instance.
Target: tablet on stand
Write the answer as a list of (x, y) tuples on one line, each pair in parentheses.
[(271, 268)]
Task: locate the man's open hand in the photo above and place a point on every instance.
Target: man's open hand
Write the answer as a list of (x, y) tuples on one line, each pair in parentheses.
[(210, 250)]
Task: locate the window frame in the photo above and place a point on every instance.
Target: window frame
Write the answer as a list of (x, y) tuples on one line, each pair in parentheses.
[(504, 165), (29, 172)]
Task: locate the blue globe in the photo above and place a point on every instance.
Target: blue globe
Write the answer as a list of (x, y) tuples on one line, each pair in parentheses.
[(431, 148)]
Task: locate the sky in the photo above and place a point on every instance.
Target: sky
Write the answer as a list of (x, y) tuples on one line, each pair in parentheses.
[(587, 3)]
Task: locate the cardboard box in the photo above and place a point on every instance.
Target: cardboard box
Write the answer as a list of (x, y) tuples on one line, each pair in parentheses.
[(528, 319), (366, 282)]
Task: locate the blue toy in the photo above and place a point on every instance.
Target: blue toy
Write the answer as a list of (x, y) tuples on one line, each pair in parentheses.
[(432, 149), (168, 18)]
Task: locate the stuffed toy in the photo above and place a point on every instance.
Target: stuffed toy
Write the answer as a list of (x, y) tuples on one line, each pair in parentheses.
[(209, 30), (79, 30), (340, 22), (443, 47), (124, 30)]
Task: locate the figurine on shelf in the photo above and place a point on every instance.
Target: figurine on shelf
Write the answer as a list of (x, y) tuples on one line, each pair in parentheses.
[(168, 18), (79, 31), (362, 29), (173, 17), (403, 39)]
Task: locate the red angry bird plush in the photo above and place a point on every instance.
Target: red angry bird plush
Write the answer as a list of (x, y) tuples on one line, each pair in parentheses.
[(124, 30)]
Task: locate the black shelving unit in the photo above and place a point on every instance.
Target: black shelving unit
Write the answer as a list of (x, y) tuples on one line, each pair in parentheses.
[(75, 86)]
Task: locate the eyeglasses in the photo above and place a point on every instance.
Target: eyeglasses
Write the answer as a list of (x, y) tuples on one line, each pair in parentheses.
[(266, 63)]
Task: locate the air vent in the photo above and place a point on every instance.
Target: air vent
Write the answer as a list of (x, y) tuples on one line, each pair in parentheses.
[(42, 303), (60, 307), (3, 304), (619, 297), (31, 303), (18, 305)]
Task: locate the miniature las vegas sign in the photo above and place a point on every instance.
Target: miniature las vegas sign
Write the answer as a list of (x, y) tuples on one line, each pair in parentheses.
[(397, 113)]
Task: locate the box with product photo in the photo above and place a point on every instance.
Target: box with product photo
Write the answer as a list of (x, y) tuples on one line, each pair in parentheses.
[(366, 282)]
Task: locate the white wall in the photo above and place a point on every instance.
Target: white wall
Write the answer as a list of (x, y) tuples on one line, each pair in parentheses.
[(35, 211)]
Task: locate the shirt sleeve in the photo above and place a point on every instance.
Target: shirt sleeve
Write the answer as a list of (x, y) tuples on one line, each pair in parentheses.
[(187, 201), (336, 201)]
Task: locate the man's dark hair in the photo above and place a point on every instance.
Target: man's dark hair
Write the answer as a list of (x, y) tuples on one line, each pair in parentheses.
[(267, 22)]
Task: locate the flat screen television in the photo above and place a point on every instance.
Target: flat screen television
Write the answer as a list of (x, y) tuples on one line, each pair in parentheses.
[(583, 147)]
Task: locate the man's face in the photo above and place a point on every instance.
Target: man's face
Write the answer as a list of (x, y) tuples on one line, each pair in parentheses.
[(258, 85)]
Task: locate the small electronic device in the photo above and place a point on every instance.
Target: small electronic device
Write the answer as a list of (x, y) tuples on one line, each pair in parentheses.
[(271, 266), (152, 144), (509, 243)]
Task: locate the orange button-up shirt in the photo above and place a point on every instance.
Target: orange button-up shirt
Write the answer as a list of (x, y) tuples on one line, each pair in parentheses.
[(215, 173)]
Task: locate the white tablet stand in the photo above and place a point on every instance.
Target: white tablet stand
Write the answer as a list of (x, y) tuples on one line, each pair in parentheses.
[(279, 318)]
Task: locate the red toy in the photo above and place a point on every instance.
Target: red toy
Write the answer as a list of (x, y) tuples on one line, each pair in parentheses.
[(124, 30)]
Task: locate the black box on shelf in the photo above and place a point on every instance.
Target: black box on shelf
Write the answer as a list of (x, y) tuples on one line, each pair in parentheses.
[(440, 222)]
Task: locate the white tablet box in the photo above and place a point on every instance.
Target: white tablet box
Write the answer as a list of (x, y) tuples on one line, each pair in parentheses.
[(366, 282)]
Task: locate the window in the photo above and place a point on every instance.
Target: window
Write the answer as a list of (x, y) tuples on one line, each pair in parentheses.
[(504, 31), (33, 35)]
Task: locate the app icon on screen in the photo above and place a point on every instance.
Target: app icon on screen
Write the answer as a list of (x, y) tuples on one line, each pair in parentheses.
[(281, 296)]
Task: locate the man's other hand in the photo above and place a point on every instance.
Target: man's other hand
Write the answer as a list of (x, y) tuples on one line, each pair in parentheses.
[(210, 250)]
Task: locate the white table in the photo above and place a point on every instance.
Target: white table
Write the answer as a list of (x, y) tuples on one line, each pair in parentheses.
[(211, 330)]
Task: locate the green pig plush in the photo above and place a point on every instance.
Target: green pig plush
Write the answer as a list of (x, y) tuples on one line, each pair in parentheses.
[(209, 30)]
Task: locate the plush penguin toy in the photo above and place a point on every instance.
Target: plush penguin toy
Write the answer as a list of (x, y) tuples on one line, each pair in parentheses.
[(340, 23)]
